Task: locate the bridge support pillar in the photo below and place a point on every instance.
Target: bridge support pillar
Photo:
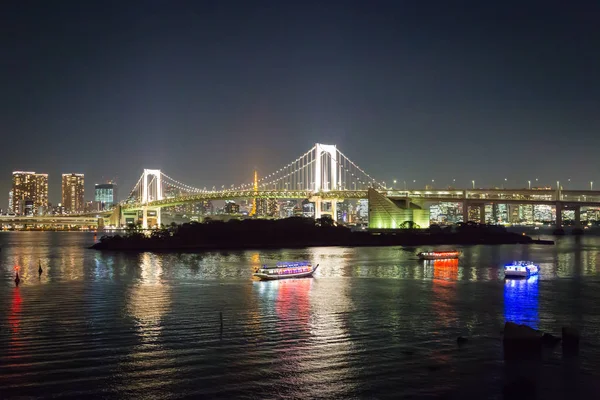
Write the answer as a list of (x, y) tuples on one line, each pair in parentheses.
[(465, 212), (145, 217), (482, 213), (558, 215), (319, 203), (494, 213), (578, 217)]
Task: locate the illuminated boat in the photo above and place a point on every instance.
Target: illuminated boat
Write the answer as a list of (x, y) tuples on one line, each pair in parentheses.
[(521, 269), (285, 270), (439, 255)]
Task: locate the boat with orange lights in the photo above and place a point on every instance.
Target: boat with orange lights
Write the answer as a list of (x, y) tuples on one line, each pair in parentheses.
[(286, 270), (439, 255)]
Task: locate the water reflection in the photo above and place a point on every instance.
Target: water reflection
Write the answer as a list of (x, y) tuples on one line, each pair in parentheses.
[(445, 269), (14, 321), (521, 301), (293, 302), (445, 276), (148, 303)]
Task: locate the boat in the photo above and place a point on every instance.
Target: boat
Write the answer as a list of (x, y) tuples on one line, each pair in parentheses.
[(286, 270), (521, 269), (439, 255)]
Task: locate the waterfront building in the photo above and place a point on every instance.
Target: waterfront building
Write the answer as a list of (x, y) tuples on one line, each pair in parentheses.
[(272, 208), (231, 207), (362, 210), (207, 208), (105, 194), (473, 214), (308, 209), (446, 213), (29, 187), (526, 213), (286, 208), (72, 192), (385, 213), (343, 211), (543, 213)]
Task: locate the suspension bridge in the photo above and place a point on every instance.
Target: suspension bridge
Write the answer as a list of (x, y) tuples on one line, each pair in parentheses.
[(323, 175)]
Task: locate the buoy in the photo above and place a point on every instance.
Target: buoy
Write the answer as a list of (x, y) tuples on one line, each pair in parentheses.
[(40, 270), (17, 279)]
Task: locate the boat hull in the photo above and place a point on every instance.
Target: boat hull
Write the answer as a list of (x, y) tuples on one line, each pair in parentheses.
[(268, 277), (438, 258), (516, 274), (274, 277), (442, 255)]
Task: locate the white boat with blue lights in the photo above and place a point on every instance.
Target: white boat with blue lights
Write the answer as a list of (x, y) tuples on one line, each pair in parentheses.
[(286, 270), (521, 269)]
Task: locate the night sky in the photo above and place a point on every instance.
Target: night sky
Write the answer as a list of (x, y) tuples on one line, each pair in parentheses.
[(209, 90)]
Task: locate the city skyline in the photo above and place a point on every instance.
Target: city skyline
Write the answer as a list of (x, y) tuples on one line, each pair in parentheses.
[(484, 92), (391, 184)]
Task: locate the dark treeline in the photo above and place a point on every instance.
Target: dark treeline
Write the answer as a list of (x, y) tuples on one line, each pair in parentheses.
[(296, 232)]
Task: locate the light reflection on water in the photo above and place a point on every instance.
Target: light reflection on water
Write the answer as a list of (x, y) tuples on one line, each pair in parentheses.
[(374, 322), (521, 301)]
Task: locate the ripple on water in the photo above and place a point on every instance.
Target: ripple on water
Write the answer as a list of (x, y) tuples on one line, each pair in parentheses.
[(374, 323)]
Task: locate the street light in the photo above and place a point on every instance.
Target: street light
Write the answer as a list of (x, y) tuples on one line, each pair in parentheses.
[(394, 187), (592, 185), (529, 182), (473, 184)]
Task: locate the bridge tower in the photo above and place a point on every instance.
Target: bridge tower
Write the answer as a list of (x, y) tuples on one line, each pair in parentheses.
[(326, 178), (151, 191), (255, 187)]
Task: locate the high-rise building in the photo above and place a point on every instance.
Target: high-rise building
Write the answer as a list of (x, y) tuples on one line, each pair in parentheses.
[(29, 187), (308, 209), (105, 194), (206, 207), (10, 201), (272, 208), (362, 210), (72, 193), (231, 207)]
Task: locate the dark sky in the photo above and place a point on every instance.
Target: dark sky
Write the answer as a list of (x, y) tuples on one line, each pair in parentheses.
[(208, 90)]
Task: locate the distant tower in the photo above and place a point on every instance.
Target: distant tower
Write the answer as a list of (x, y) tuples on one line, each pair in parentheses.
[(253, 211)]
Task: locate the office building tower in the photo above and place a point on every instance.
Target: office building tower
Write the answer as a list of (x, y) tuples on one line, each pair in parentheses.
[(105, 194), (32, 188), (231, 207), (72, 193)]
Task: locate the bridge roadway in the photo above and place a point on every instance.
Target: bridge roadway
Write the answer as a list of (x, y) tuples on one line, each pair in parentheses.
[(51, 220), (471, 196)]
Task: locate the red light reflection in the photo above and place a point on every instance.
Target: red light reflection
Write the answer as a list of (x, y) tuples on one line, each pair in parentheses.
[(445, 269), (293, 300), (445, 276), (14, 320)]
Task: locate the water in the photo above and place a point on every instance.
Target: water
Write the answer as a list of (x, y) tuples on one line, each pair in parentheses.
[(373, 323)]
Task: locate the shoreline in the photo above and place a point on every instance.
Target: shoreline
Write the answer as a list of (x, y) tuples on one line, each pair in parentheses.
[(298, 233), (406, 241)]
